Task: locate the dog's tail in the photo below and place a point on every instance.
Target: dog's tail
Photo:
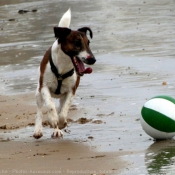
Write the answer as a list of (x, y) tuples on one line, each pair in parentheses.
[(65, 20)]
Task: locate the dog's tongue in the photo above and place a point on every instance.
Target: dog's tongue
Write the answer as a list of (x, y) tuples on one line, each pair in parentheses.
[(82, 69), (88, 70)]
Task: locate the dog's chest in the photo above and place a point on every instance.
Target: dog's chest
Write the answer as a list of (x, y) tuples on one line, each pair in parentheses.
[(52, 83)]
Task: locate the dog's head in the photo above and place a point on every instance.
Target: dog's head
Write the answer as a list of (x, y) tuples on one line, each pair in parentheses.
[(75, 44)]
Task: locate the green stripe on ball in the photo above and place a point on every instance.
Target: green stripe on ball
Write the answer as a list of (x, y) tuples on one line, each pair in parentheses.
[(158, 120)]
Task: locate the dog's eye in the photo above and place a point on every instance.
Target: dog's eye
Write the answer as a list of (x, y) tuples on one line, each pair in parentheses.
[(77, 43), (88, 42)]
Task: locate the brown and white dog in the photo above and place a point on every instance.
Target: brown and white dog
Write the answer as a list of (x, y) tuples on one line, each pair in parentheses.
[(59, 74)]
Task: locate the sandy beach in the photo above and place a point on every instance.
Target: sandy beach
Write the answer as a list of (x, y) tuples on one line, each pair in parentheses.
[(134, 45)]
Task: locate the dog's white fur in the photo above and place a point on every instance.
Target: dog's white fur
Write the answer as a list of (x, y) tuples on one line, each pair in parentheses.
[(65, 20), (43, 96)]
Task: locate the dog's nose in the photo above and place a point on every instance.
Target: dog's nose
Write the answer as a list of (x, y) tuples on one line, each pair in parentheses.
[(90, 60)]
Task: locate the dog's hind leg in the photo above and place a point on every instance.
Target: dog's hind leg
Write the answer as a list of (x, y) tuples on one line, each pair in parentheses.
[(39, 116)]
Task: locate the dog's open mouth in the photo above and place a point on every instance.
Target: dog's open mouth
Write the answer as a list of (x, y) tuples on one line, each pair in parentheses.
[(80, 68)]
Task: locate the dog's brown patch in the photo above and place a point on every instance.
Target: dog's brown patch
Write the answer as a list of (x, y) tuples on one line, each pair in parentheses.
[(43, 64), (76, 85), (74, 43)]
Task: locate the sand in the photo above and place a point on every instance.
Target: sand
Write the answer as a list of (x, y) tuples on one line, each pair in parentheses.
[(46, 156)]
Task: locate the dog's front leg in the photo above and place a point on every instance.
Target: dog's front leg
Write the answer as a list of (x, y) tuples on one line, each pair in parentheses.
[(38, 124), (51, 111), (65, 103), (39, 116)]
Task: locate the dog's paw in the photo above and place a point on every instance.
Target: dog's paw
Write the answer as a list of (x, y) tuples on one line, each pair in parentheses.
[(62, 123), (37, 135), (57, 133), (38, 131)]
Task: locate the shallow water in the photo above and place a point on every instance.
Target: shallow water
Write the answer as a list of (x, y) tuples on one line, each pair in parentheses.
[(134, 45), (131, 28)]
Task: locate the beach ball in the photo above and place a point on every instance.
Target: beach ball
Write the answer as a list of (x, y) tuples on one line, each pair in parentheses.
[(158, 117)]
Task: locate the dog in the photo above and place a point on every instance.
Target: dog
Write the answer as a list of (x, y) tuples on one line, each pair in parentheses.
[(59, 74)]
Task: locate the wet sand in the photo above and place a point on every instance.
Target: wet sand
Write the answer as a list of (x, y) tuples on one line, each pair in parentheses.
[(74, 154), (56, 157), (134, 46)]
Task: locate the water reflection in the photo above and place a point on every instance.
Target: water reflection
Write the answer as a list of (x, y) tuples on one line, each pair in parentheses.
[(160, 158)]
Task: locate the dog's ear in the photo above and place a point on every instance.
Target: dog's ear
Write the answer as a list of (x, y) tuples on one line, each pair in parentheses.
[(85, 29), (61, 32)]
